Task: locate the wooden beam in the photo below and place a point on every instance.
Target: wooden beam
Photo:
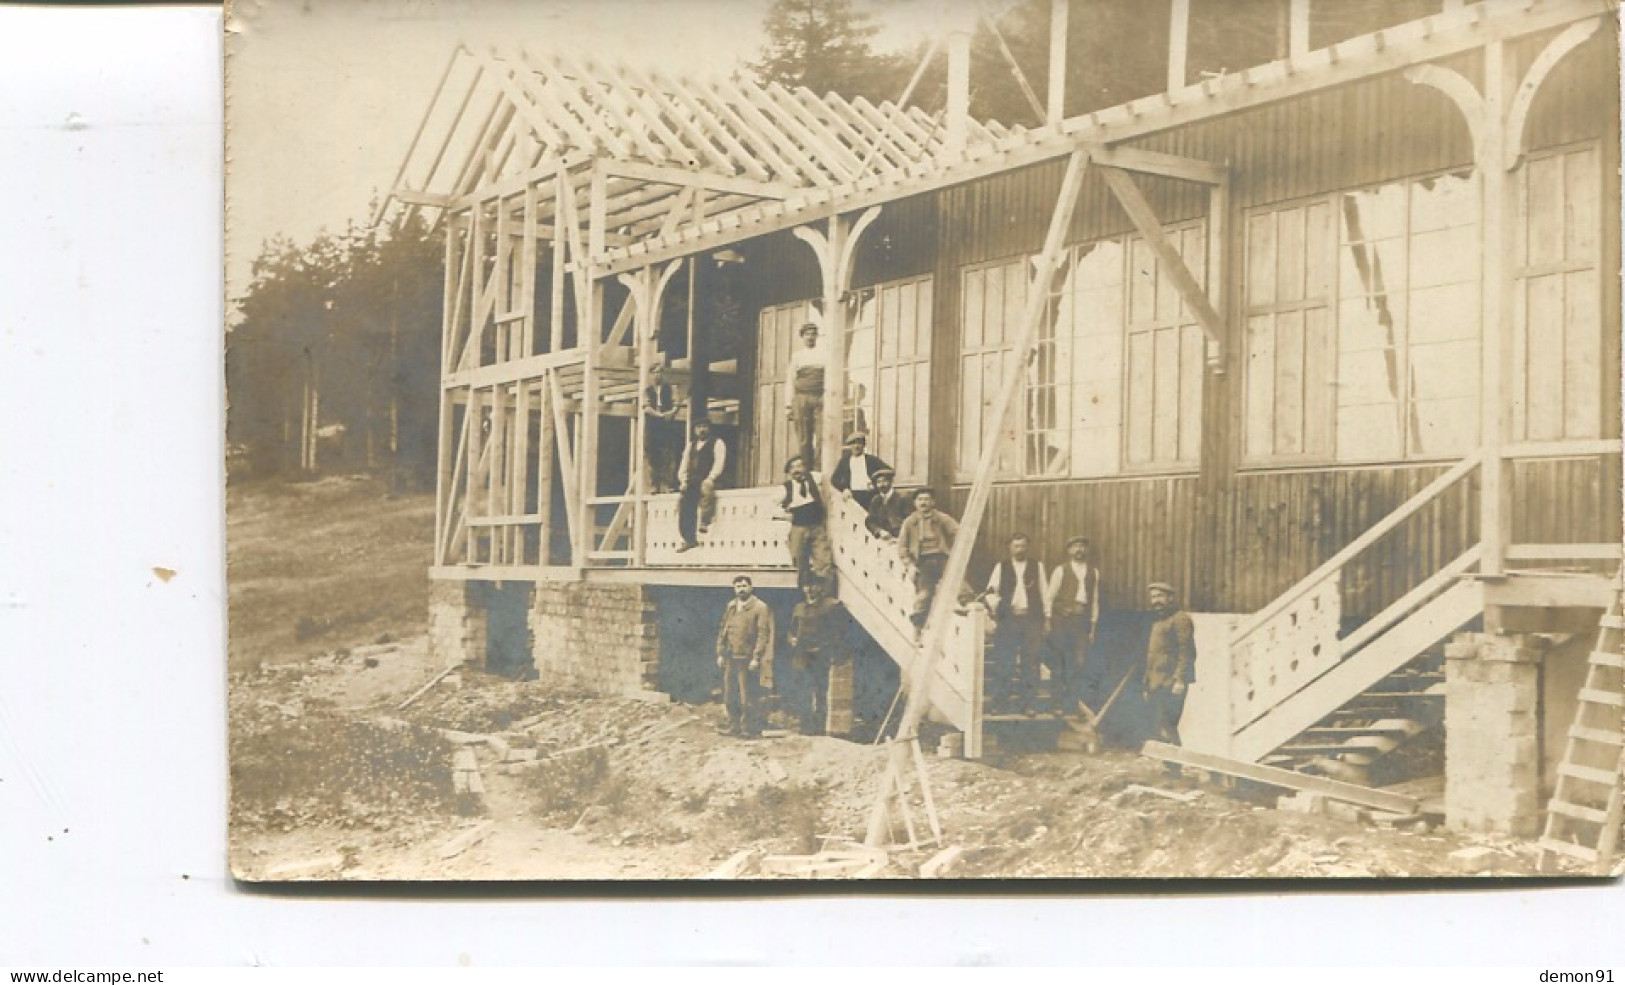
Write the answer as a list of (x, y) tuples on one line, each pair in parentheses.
[(1518, 113), (1288, 779), (1164, 165), (1055, 109), (1170, 262), (1179, 29), (917, 680), (1298, 29), (709, 126), (699, 179), (1437, 37)]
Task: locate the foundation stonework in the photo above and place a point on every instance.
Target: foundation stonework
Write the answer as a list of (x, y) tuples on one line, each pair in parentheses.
[(1492, 735), (456, 624), (599, 637)]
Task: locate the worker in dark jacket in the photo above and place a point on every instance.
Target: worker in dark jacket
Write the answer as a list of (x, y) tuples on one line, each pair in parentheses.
[(662, 432), (888, 508), (701, 468), (744, 651), (1170, 661), (816, 642), (855, 473), (810, 549), (924, 542)]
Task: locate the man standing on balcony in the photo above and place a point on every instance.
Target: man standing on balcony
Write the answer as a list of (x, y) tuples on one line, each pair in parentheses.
[(1170, 661), (888, 509), (744, 650), (1074, 588), (1018, 594), (924, 541), (854, 473), (810, 550), (703, 460), (806, 406), (662, 434)]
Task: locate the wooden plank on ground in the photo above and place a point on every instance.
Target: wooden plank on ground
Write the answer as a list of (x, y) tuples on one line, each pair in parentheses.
[(1337, 789)]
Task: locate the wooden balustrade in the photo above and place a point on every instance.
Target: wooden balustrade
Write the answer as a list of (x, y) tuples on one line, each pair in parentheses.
[(748, 532)]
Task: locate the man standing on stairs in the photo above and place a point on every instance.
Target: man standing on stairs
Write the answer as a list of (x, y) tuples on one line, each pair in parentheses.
[(888, 509), (1074, 588), (810, 550), (855, 473), (662, 433), (703, 460), (1018, 594), (744, 651), (806, 406), (1170, 661), (924, 541)]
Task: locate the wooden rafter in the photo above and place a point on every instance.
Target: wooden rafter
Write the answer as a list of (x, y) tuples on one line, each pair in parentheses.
[(698, 179), (713, 123)]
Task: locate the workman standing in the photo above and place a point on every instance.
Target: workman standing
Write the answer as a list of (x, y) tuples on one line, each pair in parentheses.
[(806, 405), (817, 643), (745, 656), (1170, 661), (854, 474)]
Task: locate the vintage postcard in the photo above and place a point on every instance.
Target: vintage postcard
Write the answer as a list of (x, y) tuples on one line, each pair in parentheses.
[(843, 439)]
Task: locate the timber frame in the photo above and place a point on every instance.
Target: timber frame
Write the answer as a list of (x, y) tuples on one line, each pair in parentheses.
[(579, 199)]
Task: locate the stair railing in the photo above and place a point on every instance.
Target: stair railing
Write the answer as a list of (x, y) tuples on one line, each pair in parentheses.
[(1291, 642)]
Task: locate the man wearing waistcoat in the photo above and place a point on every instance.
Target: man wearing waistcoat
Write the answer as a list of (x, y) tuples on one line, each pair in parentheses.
[(1018, 594), (1074, 588), (855, 473), (703, 460), (810, 550), (662, 432), (744, 650)]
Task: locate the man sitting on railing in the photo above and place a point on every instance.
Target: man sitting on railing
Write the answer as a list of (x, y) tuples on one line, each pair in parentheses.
[(810, 549), (703, 461), (888, 509), (854, 474), (924, 541)]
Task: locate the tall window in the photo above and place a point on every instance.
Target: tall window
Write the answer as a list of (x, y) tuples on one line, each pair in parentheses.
[(1363, 324), (1164, 357), (889, 374), (1115, 378), (1557, 311)]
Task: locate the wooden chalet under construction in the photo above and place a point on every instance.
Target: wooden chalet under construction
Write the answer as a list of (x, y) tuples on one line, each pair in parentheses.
[(1331, 341)]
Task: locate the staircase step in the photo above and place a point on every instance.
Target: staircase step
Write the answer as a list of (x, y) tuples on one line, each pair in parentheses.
[(1602, 658), (1596, 697), (1370, 745), (1590, 774), (1578, 812), (1570, 849), (1602, 736), (1403, 726), (1612, 621)]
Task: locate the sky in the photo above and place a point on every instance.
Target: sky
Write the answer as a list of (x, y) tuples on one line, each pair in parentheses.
[(323, 97)]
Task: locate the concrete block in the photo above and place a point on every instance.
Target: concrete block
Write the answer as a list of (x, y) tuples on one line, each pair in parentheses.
[(1471, 861)]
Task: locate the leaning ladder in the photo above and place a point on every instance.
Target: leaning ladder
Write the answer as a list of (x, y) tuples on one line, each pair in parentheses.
[(1584, 815)]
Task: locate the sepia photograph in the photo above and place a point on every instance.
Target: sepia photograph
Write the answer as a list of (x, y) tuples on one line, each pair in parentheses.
[(876, 440)]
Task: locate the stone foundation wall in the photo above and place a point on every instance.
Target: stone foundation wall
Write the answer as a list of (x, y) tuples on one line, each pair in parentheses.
[(456, 624), (596, 636), (1492, 735)]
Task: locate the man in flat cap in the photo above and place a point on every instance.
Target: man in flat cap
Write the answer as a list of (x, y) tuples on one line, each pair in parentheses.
[(888, 508), (1074, 607), (855, 473), (1170, 661), (806, 405)]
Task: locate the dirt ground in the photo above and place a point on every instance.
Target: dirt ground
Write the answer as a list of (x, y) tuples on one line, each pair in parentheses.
[(332, 781)]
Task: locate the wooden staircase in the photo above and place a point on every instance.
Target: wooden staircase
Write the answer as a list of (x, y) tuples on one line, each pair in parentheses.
[(876, 591), (1302, 694), (1584, 815)]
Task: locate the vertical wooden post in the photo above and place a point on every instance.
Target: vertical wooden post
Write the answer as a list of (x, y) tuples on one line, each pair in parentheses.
[(958, 92), (645, 323), (829, 441), (1055, 111), (1497, 191), (1298, 29), (555, 325), (544, 467), (1179, 26)]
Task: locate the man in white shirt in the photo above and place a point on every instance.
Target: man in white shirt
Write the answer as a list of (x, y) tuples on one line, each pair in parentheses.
[(1018, 595), (704, 458), (806, 405), (1074, 589)]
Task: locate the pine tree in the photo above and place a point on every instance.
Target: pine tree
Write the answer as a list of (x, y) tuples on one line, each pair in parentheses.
[(825, 45)]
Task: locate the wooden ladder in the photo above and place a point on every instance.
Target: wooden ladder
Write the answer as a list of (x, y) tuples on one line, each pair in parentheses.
[(1583, 817)]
